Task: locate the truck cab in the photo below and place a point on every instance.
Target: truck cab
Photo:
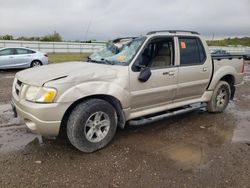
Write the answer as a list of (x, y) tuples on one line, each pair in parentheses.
[(180, 70)]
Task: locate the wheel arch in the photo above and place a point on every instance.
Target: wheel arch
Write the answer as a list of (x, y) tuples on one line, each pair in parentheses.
[(110, 99), (36, 60), (231, 81), (224, 73), (229, 78)]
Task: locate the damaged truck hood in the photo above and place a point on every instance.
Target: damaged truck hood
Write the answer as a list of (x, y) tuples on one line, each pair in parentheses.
[(81, 71)]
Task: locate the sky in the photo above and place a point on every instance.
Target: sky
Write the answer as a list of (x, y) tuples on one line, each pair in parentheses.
[(107, 19)]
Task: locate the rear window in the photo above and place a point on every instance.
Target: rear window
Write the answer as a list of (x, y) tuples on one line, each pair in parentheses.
[(21, 51), (191, 51), (24, 51), (31, 52)]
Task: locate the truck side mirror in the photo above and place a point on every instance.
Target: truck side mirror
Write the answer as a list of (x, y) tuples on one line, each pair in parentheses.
[(145, 74)]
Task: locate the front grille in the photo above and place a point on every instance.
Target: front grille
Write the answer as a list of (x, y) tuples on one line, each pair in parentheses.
[(17, 91), (19, 83), (18, 87)]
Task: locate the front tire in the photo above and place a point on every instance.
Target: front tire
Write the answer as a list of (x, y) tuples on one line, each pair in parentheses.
[(92, 125), (220, 98)]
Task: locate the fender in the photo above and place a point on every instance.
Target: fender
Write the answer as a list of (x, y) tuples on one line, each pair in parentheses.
[(220, 73), (86, 89)]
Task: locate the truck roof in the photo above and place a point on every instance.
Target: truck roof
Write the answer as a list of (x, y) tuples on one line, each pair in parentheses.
[(173, 32), (185, 32)]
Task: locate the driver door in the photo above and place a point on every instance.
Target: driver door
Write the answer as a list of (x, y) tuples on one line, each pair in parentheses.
[(160, 89)]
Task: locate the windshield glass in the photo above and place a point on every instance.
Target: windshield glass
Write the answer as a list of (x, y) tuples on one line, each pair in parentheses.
[(112, 54)]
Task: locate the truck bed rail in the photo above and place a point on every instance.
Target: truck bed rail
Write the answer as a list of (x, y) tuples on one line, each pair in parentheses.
[(219, 57)]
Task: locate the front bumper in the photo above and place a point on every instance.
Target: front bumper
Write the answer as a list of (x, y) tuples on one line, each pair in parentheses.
[(43, 119)]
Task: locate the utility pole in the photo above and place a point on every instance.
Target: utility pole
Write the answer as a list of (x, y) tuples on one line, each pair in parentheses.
[(213, 37), (87, 30)]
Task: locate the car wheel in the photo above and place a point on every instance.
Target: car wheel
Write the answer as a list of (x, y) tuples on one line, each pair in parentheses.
[(92, 125), (220, 98), (36, 64)]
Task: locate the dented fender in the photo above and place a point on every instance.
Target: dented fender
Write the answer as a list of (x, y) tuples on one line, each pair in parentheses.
[(87, 89)]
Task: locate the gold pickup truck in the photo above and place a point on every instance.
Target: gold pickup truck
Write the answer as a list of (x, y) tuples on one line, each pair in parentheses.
[(130, 81)]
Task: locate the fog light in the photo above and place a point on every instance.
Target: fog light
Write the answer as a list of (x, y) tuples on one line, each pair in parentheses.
[(30, 124)]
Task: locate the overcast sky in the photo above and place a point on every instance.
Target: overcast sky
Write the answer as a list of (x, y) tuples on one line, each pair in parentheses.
[(114, 18)]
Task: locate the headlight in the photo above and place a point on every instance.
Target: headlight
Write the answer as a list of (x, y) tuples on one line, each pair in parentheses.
[(40, 94)]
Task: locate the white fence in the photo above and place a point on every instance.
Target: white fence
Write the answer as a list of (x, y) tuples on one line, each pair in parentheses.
[(71, 47), (54, 47)]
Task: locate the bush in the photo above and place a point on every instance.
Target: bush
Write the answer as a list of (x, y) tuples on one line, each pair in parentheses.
[(55, 37), (245, 41)]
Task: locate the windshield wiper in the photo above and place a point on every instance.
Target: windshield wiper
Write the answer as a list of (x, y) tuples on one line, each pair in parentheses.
[(91, 60), (107, 61)]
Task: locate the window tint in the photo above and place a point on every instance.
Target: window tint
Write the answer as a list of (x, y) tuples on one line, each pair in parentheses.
[(31, 52), (21, 51), (202, 52), (8, 51), (191, 51), (159, 53)]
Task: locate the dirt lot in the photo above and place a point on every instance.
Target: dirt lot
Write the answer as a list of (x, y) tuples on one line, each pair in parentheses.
[(197, 149)]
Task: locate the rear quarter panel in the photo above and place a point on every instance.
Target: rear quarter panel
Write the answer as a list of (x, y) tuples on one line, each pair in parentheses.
[(225, 67), (41, 57)]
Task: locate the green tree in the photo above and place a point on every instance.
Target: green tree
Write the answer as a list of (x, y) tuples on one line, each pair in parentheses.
[(7, 37), (55, 37)]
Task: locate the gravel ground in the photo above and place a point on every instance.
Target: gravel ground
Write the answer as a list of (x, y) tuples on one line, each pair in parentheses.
[(197, 149), (6, 80)]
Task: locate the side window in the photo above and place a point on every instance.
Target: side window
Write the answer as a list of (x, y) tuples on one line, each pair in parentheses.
[(191, 51), (159, 53), (20, 51), (8, 51), (203, 56), (31, 52)]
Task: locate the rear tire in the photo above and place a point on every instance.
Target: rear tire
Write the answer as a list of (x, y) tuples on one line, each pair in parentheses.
[(36, 64), (92, 125), (220, 98)]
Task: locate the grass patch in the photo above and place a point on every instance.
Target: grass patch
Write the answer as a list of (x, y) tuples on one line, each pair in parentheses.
[(244, 41), (64, 57)]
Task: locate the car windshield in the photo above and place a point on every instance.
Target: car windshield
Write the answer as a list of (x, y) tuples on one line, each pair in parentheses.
[(112, 54)]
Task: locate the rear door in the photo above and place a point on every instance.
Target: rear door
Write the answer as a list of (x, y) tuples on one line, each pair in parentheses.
[(195, 69), (6, 58), (23, 57)]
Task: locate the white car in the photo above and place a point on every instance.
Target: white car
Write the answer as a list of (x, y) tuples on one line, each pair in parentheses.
[(21, 58)]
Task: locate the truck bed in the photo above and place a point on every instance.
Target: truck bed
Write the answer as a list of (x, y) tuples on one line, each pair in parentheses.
[(235, 61)]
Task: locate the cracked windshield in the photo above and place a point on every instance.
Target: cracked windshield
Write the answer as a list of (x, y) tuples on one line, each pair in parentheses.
[(113, 54)]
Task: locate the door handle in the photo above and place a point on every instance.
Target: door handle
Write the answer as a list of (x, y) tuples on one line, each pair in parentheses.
[(11, 57), (204, 69), (170, 73)]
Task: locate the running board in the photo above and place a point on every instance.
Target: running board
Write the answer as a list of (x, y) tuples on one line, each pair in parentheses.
[(158, 117)]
